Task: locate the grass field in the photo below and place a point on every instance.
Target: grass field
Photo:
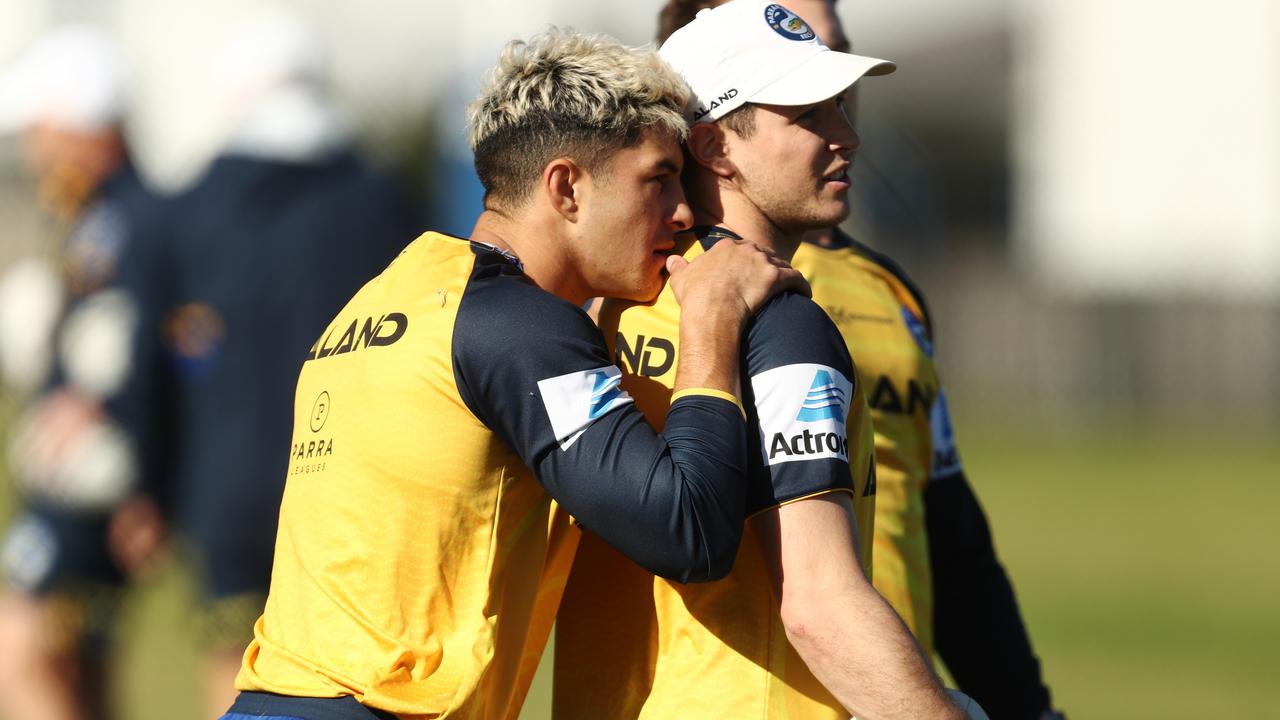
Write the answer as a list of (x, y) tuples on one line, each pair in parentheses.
[(1145, 562)]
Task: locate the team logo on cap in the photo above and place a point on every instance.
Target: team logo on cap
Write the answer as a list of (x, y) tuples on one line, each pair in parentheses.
[(787, 24)]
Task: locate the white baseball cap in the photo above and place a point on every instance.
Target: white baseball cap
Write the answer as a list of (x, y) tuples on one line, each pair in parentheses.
[(72, 76), (758, 51)]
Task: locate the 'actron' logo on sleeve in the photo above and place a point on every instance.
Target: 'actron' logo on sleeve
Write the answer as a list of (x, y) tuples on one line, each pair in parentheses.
[(802, 410), (577, 399), (825, 401)]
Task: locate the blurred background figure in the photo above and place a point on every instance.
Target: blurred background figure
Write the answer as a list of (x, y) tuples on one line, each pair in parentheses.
[(284, 226), (72, 320)]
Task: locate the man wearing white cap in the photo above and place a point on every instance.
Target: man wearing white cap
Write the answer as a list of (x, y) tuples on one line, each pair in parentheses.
[(796, 630), (934, 557), (70, 325)]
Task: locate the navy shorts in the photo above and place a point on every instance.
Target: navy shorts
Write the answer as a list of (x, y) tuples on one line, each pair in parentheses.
[(266, 706)]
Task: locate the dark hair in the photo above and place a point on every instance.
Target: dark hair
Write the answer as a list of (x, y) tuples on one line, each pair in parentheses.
[(509, 161), (678, 13), (741, 120)]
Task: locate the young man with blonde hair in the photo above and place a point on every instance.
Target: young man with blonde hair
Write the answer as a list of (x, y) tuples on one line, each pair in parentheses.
[(463, 388), (796, 630)]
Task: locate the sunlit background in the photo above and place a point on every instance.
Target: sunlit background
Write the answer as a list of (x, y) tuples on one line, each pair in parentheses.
[(1088, 193)]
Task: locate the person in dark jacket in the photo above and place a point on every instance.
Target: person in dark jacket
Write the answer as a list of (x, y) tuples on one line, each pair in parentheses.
[(72, 326), (284, 226)]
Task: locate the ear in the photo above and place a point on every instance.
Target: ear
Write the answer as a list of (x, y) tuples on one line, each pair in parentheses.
[(560, 181), (706, 143)]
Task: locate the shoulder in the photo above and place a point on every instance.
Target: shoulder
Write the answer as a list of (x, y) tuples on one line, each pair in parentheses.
[(890, 266), (502, 311), (792, 328), (520, 354)]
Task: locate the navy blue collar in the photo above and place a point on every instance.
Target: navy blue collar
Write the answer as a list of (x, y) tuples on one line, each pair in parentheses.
[(709, 235)]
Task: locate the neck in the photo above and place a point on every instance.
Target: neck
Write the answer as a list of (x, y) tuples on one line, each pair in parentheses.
[(539, 249), (734, 211), (745, 219)]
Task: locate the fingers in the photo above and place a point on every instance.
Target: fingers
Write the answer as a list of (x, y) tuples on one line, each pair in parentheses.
[(735, 273), (790, 279)]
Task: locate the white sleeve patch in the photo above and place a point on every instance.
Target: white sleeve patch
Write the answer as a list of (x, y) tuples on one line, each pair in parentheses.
[(577, 399), (802, 409), (946, 458)]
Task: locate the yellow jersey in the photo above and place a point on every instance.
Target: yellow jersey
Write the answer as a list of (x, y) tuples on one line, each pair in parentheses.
[(881, 315), (435, 419), (630, 645)]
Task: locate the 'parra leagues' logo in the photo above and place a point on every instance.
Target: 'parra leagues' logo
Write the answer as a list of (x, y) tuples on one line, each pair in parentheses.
[(311, 449), (384, 331), (721, 99), (319, 412)]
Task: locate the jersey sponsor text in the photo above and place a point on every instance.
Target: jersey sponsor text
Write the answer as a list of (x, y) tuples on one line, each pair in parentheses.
[(802, 410), (388, 329)]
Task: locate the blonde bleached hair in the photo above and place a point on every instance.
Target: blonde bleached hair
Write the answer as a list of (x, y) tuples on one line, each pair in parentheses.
[(566, 94)]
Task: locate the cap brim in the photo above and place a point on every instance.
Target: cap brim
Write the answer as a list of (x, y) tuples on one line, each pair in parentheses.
[(822, 76)]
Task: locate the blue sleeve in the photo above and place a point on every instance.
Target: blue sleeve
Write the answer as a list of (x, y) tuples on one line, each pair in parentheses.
[(798, 398), (535, 370)]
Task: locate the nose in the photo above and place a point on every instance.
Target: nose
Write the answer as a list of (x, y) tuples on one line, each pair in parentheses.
[(681, 218), (844, 139)]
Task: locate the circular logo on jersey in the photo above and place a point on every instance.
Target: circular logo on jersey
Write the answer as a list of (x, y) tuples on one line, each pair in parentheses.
[(787, 24), (320, 411)]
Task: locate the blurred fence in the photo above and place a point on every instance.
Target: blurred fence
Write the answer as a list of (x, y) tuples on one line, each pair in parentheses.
[(1010, 350)]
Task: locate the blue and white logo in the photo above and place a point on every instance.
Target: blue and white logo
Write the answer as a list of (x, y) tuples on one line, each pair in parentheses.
[(917, 331), (802, 410), (605, 389), (946, 457), (824, 401), (787, 24), (577, 399)]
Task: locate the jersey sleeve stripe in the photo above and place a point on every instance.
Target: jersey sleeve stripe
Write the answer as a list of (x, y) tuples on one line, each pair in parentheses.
[(710, 392), (824, 491)]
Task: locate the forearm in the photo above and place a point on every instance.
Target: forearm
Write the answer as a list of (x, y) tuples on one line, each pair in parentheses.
[(859, 649), (708, 355), (672, 503), (847, 635)]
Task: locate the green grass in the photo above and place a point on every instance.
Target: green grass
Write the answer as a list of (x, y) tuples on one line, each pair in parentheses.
[(1144, 562)]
